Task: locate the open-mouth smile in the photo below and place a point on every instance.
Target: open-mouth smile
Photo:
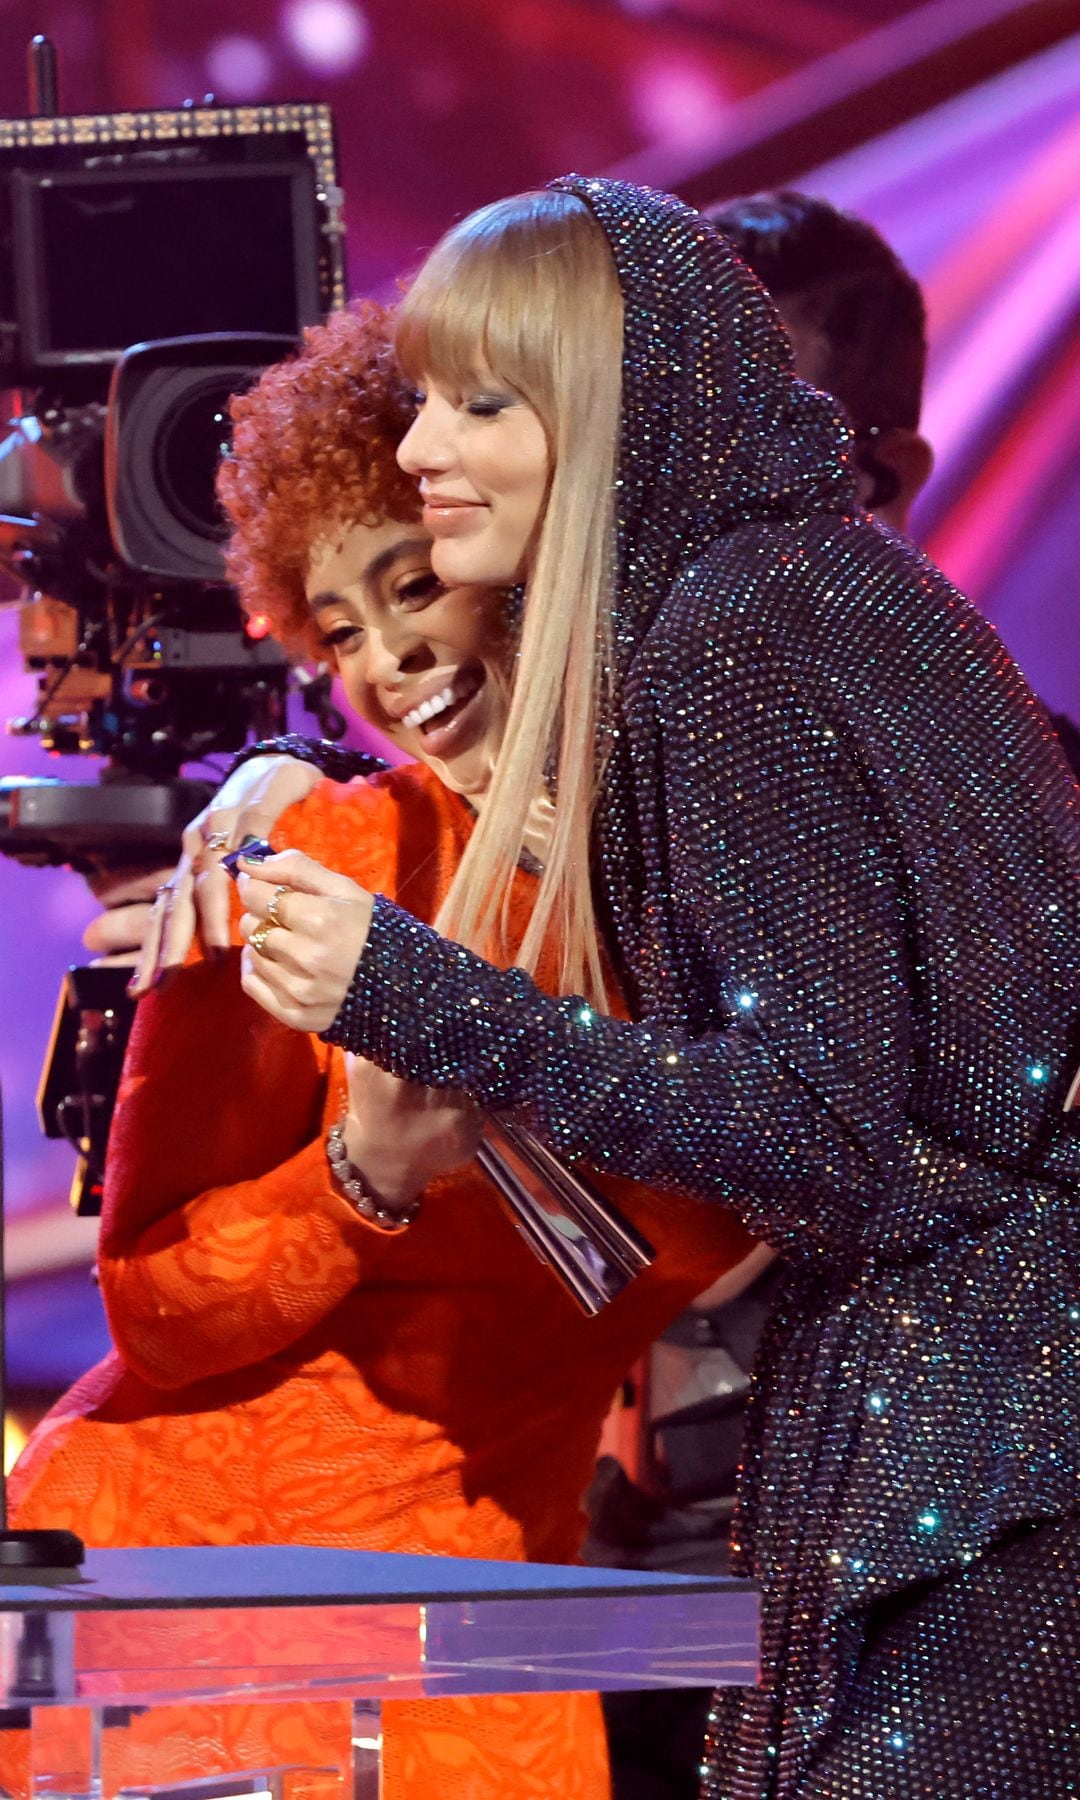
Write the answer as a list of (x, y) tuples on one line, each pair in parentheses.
[(438, 717)]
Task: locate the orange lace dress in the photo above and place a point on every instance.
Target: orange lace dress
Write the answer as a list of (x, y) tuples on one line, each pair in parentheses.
[(282, 1373)]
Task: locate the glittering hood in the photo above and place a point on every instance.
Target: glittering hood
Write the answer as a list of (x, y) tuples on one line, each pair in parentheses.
[(716, 430)]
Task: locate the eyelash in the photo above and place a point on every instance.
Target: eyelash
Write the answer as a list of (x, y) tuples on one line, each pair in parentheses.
[(420, 591), (415, 594), (482, 406), (338, 636)]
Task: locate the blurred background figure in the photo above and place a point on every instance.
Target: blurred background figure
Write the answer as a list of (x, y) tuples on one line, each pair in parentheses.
[(856, 318)]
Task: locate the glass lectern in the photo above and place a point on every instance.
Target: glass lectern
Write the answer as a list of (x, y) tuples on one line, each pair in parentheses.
[(141, 1630)]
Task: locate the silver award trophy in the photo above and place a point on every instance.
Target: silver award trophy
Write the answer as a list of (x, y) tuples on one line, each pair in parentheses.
[(585, 1240)]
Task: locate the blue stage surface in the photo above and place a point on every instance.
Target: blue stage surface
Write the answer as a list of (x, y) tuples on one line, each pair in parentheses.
[(274, 1574)]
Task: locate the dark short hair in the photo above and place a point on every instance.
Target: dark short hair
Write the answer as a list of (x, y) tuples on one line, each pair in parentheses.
[(844, 281)]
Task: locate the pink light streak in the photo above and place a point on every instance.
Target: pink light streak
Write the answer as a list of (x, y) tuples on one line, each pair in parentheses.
[(976, 539), (1025, 313), (1022, 216)]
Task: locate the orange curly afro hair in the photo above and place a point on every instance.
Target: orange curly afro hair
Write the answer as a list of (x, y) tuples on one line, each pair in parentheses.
[(313, 449)]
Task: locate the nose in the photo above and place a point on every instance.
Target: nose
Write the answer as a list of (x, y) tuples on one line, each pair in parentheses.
[(394, 648), (427, 447)]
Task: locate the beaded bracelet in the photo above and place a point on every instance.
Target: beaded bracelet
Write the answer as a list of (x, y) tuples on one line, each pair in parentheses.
[(351, 1185)]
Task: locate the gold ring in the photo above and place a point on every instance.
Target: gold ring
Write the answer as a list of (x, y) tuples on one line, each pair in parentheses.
[(218, 840), (258, 938), (273, 911)]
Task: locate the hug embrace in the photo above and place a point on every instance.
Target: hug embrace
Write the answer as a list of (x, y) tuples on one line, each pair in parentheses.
[(740, 864)]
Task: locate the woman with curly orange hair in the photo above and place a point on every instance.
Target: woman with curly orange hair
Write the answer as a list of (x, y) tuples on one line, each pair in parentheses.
[(292, 1364)]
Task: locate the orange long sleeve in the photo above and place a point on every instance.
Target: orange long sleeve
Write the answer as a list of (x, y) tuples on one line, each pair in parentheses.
[(218, 1202)]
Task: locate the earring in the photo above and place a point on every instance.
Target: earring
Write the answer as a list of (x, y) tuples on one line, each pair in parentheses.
[(514, 607)]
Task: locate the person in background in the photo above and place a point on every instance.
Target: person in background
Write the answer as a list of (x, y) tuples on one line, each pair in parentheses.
[(857, 323)]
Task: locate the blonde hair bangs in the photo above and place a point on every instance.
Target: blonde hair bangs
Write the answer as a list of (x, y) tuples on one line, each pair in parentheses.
[(463, 316)]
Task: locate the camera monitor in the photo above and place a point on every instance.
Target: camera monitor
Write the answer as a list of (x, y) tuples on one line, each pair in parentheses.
[(196, 250), (127, 228)]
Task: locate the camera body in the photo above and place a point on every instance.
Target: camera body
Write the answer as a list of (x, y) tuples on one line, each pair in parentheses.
[(151, 264)]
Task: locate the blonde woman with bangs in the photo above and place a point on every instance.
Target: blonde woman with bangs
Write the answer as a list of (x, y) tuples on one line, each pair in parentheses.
[(788, 787)]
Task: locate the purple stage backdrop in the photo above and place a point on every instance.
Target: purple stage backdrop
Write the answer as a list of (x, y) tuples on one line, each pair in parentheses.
[(443, 104)]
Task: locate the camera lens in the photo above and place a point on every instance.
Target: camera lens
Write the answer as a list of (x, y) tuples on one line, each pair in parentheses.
[(192, 438), (167, 427)]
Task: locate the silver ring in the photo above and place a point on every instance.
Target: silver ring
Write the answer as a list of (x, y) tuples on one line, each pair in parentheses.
[(218, 840), (273, 911)]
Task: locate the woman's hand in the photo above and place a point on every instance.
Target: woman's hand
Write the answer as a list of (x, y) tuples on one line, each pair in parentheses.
[(117, 935), (301, 966), (400, 1136), (198, 894)]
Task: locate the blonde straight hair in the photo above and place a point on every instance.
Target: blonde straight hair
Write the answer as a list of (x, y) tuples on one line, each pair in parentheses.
[(526, 291)]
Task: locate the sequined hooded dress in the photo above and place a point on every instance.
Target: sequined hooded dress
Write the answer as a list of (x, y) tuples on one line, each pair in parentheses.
[(837, 853)]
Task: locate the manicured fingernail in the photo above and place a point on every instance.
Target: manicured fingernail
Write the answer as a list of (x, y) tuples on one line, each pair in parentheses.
[(252, 851)]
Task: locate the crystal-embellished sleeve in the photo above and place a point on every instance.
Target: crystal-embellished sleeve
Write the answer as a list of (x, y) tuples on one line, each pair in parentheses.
[(791, 1098), (724, 1117)]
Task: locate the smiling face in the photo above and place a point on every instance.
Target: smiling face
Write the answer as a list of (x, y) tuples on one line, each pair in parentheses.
[(482, 459), (425, 664)]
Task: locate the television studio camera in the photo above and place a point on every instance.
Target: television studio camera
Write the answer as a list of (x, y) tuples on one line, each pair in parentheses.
[(151, 264)]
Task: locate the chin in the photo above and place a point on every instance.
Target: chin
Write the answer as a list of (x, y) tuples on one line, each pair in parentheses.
[(461, 564), (468, 773), (461, 778)]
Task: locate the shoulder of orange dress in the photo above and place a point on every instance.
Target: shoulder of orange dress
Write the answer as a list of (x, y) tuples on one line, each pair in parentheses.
[(362, 810)]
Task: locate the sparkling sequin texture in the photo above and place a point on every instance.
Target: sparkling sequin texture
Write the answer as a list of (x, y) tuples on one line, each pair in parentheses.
[(837, 856), (967, 1685)]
